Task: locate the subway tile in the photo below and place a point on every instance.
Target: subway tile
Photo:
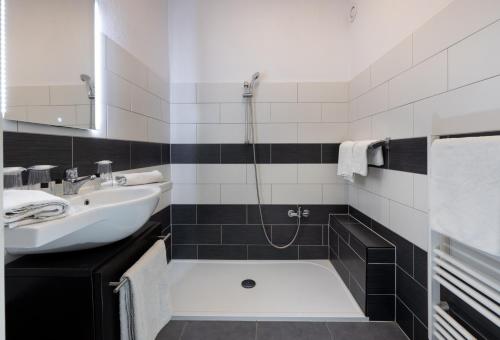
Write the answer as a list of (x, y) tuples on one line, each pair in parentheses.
[(475, 58), (374, 101), (194, 113), (244, 234), (381, 255), (380, 279), (221, 214), (121, 62), (243, 153), (308, 153), (296, 193), (447, 27), (318, 173), (158, 131), (264, 252), (295, 153), (330, 153), (323, 92), (272, 214), (360, 129), (295, 112), (235, 112), (322, 132), (219, 92), (28, 95), (196, 193), (410, 223), (374, 206), (220, 133), (360, 84), (221, 173), (343, 272), (118, 91), (424, 80), (144, 154), (409, 155), (333, 240), (183, 214), (185, 252), (308, 235), (420, 266), (472, 108), (335, 112), (165, 154), (420, 192), (68, 95), (420, 331), (184, 153), (335, 194), (276, 133), (52, 115), (16, 113), (273, 173), (396, 123), (208, 153), (395, 185), (165, 109), (183, 173), (404, 318), (355, 265), (394, 62), (196, 234), (244, 194), (158, 86), (361, 217), (412, 294), (87, 151), (222, 252), (313, 252), (25, 150), (182, 93), (126, 125), (282, 330), (380, 307), (319, 212), (358, 293), (182, 133), (276, 93)]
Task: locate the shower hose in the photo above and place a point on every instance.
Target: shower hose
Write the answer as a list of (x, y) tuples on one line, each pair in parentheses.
[(249, 114)]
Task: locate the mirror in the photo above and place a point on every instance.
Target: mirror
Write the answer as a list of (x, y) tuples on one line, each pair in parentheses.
[(50, 62)]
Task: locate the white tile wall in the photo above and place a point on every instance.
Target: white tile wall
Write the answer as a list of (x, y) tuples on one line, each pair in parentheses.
[(297, 193), (396, 123), (219, 92), (374, 101), (335, 194), (183, 133), (126, 125), (68, 95), (118, 91), (318, 173), (410, 223), (220, 133), (184, 173), (420, 192), (245, 194), (360, 129), (183, 93), (235, 112), (145, 103), (323, 92), (28, 95), (475, 58), (195, 113), (273, 173), (377, 207), (158, 131), (196, 193), (122, 63), (221, 173), (335, 112), (276, 93), (54, 115), (295, 112), (276, 133), (397, 60), (322, 132), (360, 84)]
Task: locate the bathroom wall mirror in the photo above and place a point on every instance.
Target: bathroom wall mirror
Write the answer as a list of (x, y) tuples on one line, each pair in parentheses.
[(50, 62)]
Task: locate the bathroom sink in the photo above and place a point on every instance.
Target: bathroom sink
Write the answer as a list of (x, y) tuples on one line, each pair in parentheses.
[(95, 219)]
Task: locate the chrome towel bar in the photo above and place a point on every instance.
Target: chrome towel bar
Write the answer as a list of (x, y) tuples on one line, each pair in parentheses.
[(384, 142), (119, 285)]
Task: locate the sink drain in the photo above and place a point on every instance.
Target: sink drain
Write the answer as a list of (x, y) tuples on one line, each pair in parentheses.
[(248, 283)]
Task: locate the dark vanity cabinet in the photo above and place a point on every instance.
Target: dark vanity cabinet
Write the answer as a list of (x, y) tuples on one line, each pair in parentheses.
[(67, 295)]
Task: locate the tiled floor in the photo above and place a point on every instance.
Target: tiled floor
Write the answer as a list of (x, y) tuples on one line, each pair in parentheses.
[(228, 330)]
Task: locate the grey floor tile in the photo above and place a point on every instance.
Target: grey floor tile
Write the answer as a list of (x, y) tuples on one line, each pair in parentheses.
[(219, 330), (292, 331), (366, 331), (172, 331)]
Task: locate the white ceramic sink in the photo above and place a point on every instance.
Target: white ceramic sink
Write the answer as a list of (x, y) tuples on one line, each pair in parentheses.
[(95, 219)]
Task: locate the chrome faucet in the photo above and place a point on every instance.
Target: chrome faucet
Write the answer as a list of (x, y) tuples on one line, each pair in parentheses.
[(72, 183), (300, 213)]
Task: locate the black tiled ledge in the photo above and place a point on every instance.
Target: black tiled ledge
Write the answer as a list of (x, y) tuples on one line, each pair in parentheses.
[(233, 232), (365, 262), (411, 278), (27, 149)]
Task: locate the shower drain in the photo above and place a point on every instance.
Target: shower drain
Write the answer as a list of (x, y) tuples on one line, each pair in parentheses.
[(248, 283)]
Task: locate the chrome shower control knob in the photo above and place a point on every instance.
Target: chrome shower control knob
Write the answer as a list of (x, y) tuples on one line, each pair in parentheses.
[(306, 213), (292, 213)]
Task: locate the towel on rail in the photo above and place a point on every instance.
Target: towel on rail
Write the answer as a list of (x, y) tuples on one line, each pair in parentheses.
[(140, 178), (464, 193), (24, 207), (145, 298), (363, 155), (344, 166)]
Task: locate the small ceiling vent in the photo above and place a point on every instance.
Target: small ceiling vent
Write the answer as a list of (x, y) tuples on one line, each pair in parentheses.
[(353, 13)]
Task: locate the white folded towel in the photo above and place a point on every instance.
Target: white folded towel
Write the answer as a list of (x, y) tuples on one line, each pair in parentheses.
[(363, 155), (23, 207), (145, 299), (140, 178), (344, 166), (464, 193)]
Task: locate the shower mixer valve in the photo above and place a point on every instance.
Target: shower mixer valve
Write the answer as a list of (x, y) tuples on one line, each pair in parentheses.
[(299, 213)]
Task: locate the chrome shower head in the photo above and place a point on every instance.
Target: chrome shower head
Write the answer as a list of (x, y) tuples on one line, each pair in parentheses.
[(90, 86)]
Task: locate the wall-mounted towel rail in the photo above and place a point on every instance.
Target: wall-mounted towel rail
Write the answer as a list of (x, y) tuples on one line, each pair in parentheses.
[(119, 285), (384, 143)]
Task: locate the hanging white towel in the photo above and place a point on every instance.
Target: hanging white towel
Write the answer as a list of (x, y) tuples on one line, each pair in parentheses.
[(344, 166), (23, 207), (363, 155), (464, 194), (145, 299)]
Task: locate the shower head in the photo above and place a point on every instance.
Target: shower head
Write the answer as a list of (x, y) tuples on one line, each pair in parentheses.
[(255, 77), (90, 86)]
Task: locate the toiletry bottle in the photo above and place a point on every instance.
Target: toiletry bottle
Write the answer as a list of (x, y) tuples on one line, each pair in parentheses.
[(58, 187), (45, 187)]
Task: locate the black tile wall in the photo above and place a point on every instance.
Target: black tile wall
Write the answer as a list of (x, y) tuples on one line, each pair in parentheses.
[(330, 153), (411, 278), (26, 149), (356, 252), (408, 155), (239, 225), (243, 153)]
